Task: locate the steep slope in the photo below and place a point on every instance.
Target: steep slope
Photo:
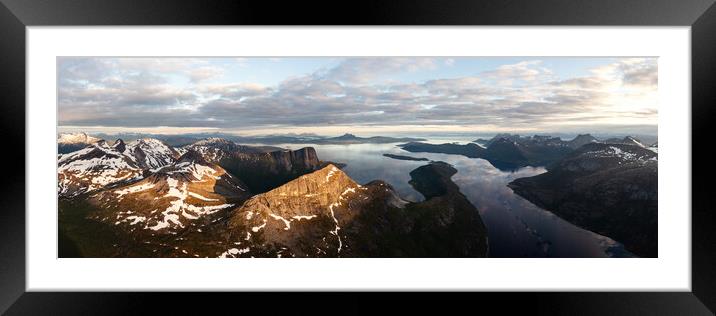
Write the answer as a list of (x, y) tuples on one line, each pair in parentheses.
[(610, 189), (327, 214), (267, 170)]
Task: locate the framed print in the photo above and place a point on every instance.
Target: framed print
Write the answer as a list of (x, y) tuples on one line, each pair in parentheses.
[(492, 147)]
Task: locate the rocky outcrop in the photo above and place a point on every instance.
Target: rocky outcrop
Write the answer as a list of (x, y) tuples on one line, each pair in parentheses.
[(327, 214), (610, 189)]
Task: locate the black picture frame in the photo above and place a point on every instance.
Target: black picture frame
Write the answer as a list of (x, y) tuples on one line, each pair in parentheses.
[(16, 15)]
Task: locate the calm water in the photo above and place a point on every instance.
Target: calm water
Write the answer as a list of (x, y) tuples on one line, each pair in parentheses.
[(517, 228)]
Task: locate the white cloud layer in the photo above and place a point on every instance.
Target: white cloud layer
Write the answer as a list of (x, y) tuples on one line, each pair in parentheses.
[(143, 92)]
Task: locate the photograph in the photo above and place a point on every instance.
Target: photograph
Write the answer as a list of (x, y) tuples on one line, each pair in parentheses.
[(357, 157)]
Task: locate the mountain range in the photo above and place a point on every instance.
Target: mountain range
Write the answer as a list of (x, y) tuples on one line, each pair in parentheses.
[(215, 198), (512, 151), (188, 139)]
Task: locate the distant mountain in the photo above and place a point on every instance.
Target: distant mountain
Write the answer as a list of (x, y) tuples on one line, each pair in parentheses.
[(401, 157), (214, 149), (505, 151), (581, 140), (353, 139), (305, 138), (481, 141), (468, 150), (505, 154), (69, 142), (487, 142), (628, 140), (610, 189), (327, 214)]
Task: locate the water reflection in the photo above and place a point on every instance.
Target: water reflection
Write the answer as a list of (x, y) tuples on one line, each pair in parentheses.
[(517, 228)]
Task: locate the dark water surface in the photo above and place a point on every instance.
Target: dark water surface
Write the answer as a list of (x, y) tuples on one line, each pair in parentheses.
[(516, 227)]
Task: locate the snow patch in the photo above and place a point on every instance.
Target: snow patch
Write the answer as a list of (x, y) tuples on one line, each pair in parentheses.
[(134, 189)]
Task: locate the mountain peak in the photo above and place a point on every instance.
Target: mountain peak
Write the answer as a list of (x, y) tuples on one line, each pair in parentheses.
[(347, 136), (212, 141), (119, 145), (325, 179), (76, 138)]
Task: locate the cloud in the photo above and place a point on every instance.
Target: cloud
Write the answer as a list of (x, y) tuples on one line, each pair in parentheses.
[(205, 73), (366, 69), (145, 93)]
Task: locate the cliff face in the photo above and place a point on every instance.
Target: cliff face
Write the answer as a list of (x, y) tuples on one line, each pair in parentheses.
[(326, 214), (610, 189), (265, 171)]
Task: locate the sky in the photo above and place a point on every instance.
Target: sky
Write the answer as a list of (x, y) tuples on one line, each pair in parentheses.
[(361, 95)]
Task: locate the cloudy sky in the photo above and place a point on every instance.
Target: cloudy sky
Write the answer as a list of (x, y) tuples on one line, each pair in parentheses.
[(367, 96)]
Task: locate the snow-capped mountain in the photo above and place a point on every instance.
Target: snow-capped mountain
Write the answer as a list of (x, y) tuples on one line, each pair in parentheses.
[(151, 153), (177, 197), (142, 199), (76, 138), (94, 167), (599, 156), (101, 164), (69, 142)]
